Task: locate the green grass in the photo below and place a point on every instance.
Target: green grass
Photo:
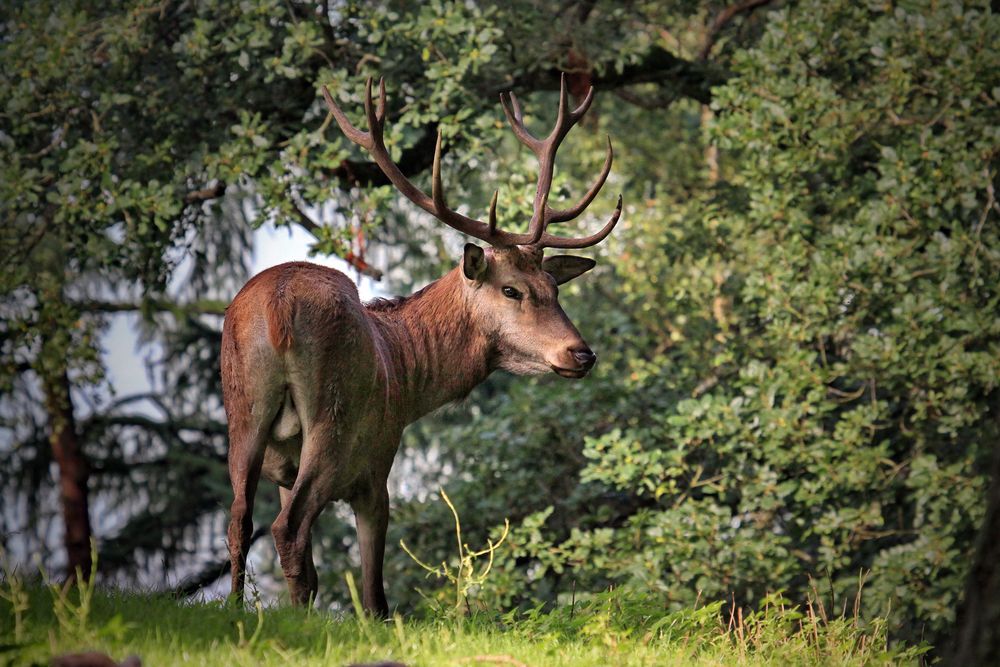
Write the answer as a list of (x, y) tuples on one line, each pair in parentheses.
[(614, 628)]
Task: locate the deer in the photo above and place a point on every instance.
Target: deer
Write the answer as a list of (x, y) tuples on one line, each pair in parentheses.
[(318, 386)]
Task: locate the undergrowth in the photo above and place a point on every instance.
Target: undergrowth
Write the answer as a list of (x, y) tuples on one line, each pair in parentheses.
[(617, 627), (40, 619)]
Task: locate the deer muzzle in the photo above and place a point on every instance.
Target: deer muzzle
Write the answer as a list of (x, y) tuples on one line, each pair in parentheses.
[(580, 360)]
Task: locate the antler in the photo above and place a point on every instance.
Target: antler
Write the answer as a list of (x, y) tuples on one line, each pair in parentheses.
[(373, 141), (545, 151)]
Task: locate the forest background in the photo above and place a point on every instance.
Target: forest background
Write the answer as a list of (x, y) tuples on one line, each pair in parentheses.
[(798, 318)]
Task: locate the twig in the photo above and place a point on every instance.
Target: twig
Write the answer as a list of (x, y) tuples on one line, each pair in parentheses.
[(213, 571), (205, 194), (57, 138), (499, 659), (644, 102), (991, 203), (313, 227), (203, 307), (723, 18)]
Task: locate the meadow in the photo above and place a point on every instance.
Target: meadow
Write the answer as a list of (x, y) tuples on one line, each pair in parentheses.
[(39, 621)]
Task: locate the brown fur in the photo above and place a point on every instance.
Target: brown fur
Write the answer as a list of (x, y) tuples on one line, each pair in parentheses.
[(318, 388)]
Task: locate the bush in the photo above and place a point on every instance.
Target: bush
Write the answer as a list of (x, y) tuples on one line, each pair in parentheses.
[(797, 358)]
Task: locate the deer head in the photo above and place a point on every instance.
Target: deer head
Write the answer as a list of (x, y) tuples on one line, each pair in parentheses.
[(511, 286)]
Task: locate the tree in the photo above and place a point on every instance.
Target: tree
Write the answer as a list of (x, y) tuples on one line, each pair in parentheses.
[(138, 142), (975, 640), (797, 321)]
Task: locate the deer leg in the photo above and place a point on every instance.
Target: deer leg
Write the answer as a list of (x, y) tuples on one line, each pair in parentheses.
[(371, 514), (291, 531), (313, 490), (246, 455), (312, 580)]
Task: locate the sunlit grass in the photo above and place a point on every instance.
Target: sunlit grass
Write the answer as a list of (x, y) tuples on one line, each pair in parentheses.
[(613, 628)]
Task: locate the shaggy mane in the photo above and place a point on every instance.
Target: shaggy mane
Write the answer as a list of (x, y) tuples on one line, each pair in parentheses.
[(382, 304)]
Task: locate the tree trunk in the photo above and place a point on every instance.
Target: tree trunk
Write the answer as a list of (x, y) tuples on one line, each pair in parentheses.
[(976, 641), (73, 472)]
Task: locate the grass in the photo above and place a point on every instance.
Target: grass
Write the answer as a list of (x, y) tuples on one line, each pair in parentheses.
[(615, 628)]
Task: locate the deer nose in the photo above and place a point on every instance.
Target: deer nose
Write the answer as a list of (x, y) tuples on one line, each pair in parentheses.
[(584, 356)]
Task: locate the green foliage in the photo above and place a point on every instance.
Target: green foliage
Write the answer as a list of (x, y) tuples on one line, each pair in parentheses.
[(798, 359), (797, 319)]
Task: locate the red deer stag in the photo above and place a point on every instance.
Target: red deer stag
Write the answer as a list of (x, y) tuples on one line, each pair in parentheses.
[(318, 386)]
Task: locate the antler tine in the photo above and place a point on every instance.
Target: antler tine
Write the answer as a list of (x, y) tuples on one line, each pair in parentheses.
[(351, 132), (374, 143), (493, 213), (512, 109), (487, 232), (380, 114), (546, 153), (563, 121), (516, 106), (562, 215), (437, 189), (566, 119), (549, 241), (584, 106), (536, 227), (373, 114)]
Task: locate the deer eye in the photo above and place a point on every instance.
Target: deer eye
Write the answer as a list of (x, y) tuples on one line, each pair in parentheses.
[(511, 293)]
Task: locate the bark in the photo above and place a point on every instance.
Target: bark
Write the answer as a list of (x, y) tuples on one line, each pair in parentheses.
[(676, 77), (73, 472), (976, 641)]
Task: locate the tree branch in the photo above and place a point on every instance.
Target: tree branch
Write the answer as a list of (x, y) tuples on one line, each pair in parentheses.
[(205, 194), (211, 572), (679, 77), (155, 399), (648, 102), (722, 19), (414, 160), (201, 307), (168, 426), (305, 222), (313, 227)]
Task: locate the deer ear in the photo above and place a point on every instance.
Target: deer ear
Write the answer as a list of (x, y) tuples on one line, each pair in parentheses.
[(474, 262), (566, 267)]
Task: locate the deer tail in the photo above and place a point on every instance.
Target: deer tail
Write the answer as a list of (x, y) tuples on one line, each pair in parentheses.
[(279, 319)]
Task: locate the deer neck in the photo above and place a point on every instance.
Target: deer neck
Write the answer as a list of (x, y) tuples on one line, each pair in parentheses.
[(437, 354)]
